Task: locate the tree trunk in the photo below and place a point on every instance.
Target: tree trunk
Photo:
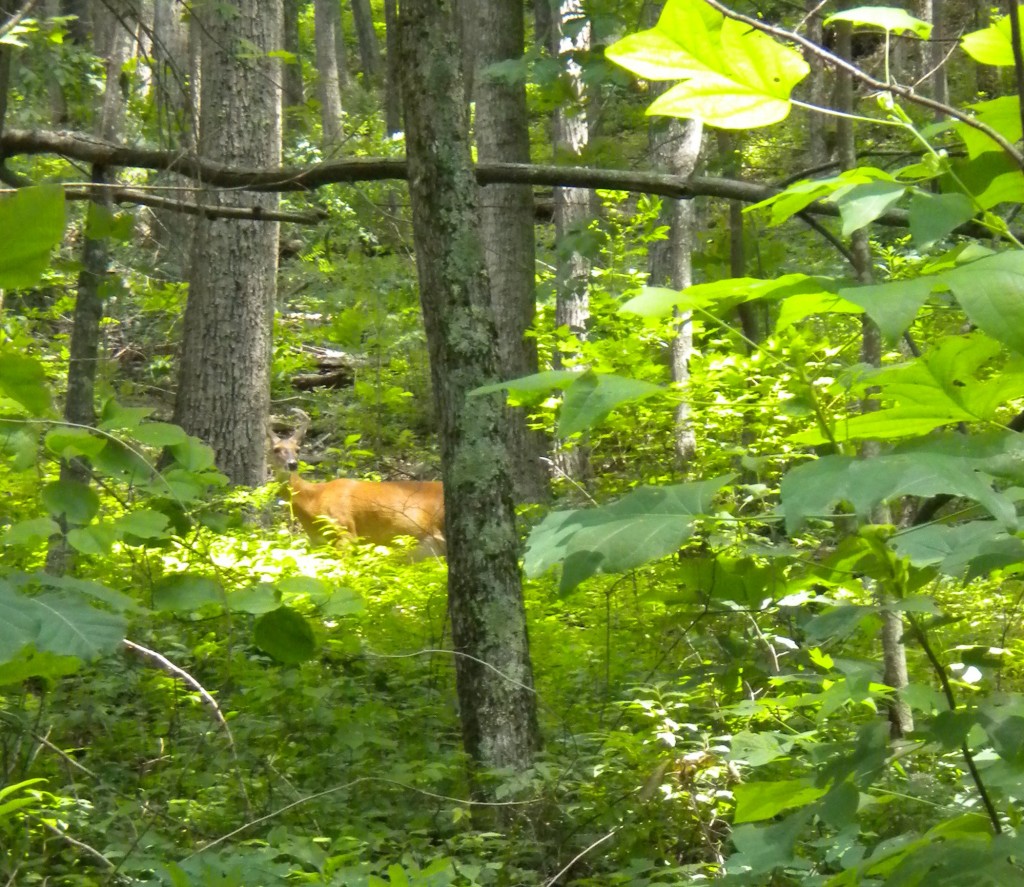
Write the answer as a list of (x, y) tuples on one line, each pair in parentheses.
[(392, 86), (369, 50), (172, 97), (293, 93), (894, 654), (497, 706), (572, 206), (506, 220), (224, 379), (675, 148), (326, 23)]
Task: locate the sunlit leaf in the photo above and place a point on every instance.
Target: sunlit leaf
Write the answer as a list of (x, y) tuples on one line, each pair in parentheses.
[(756, 801), (23, 379), (32, 222), (285, 635), (76, 501), (590, 398), (887, 18)]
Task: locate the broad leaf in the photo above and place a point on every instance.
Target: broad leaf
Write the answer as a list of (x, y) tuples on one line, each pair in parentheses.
[(32, 222), (658, 301), (797, 308), (992, 45), (76, 501), (1002, 114), (69, 442), (991, 178), (933, 216), (159, 434), (186, 593), (257, 599), (894, 305), (814, 488), (593, 396), (29, 533), (23, 379), (32, 663), (763, 800), (862, 204), (887, 18), (285, 635), (991, 292), (734, 77), (646, 524), (143, 523), (70, 627), (549, 380), (93, 539)]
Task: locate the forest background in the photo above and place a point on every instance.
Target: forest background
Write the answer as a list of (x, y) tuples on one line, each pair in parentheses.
[(733, 579)]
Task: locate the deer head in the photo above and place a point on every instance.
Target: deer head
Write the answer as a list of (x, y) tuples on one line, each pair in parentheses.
[(284, 451)]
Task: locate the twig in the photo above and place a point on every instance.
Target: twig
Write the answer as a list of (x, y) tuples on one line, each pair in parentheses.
[(579, 856)]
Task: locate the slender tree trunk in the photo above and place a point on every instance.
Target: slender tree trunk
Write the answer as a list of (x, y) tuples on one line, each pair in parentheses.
[(114, 41), (326, 23), (392, 86), (894, 654), (675, 148), (293, 92), (497, 706), (369, 50), (224, 379), (817, 93), (506, 218), (572, 206)]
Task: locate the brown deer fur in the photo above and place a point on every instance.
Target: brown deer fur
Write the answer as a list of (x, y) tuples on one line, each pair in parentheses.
[(376, 512)]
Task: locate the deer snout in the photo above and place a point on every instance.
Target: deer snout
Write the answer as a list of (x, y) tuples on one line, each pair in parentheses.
[(292, 465)]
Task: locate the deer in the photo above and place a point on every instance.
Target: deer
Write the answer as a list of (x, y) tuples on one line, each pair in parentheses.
[(344, 510)]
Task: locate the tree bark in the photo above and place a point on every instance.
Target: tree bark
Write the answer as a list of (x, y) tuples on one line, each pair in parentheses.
[(293, 91), (224, 377), (326, 23), (572, 206), (894, 653), (675, 148), (497, 706), (369, 50), (506, 219), (392, 86)]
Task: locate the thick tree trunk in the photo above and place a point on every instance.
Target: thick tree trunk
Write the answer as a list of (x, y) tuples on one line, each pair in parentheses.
[(293, 93), (506, 217), (894, 654), (224, 381), (493, 672), (369, 50), (326, 23)]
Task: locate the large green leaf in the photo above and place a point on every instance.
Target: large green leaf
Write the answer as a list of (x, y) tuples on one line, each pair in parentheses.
[(68, 442), (756, 801), (734, 77), (1002, 114), (933, 216), (593, 396), (23, 379), (991, 292), (991, 178), (70, 627), (29, 533), (860, 205), (945, 386), (814, 488), (646, 524), (802, 194), (887, 18), (992, 45), (186, 593), (285, 635), (78, 502), (32, 222), (893, 305)]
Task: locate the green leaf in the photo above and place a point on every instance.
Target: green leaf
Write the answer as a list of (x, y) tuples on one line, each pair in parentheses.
[(32, 220), (159, 434), (70, 627), (734, 76), (1005, 727), (887, 18), (71, 442), (1002, 114), (814, 488), (93, 539), (116, 417), (933, 216), (19, 440), (862, 204), (186, 593), (29, 533), (991, 292), (31, 663), (285, 635), (21, 620), (78, 502), (593, 396), (992, 178), (549, 380), (837, 622), (256, 599), (757, 749), (797, 308), (992, 45), (894, 305), (143, 523), (941, 388), (23, 379), (659, 301), (756, 801), (646, 524)]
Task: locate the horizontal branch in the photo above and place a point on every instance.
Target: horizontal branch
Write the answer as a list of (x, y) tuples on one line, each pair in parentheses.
[(89, 149)]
